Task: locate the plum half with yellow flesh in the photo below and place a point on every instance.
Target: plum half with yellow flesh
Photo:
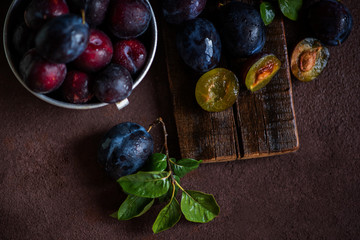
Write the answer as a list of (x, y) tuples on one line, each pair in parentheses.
[(259, 70), (217, 90), (309, 59)]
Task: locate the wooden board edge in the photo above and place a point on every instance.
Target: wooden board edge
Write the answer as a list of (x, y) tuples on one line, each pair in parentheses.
[(290, 87)]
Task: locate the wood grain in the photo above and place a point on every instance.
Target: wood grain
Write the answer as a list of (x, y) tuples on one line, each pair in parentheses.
[(260, 124), (202, 135), (266, 119)]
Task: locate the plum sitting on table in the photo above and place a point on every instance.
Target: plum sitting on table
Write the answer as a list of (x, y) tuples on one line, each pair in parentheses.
[(125, 149), (330, 21)]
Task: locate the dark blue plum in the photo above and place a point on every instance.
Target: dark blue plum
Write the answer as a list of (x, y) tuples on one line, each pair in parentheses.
[(179, 11), (242, 29), (63, 39), (330, 21), (125, 149), (199, 45), (39, 12)]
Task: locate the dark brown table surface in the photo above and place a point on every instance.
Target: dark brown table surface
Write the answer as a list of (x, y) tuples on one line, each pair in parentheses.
[(51, 186)]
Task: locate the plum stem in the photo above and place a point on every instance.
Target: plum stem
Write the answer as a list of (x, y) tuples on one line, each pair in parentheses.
[(165, 146), (223, 3), (83, 15)]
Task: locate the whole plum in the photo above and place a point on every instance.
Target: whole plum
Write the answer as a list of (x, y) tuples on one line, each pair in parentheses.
[(125, 149), (97, 54), (23, 39), (39, 12), (40, 75), (330, 21), (130, 54), (242, 29), (128, 18), (179, 11), (77, 87), (95, 10), (63, 39), (199, 45), (113, 84)]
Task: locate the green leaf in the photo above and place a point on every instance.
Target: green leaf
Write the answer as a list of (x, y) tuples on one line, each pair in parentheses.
[(146, 184), (290, 8), (168, 195), (199, 207), (114, 215), (267, 12), (168, 216), (134, 206), (184, 166), (156, 162)]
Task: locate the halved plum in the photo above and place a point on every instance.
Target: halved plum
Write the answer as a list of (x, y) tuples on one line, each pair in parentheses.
[(309, 59), (217, 90), (259, 70)]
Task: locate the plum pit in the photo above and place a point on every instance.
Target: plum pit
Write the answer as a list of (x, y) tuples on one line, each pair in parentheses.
[(309, 59)]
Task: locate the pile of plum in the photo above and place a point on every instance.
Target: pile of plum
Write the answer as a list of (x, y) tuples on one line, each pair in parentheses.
[(83, 48), (237, 29)]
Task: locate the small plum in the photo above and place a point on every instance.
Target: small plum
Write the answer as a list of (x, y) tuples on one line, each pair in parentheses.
[(77, 87), (97, 54), (130, 54), (40, 75), (113, 84), (40, 11), (128, 18), (95, 10)]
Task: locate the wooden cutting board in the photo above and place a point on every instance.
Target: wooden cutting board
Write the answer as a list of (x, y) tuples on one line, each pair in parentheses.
[(260, 124)]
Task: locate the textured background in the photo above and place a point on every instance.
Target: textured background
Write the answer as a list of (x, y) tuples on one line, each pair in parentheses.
[(52, 188)]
